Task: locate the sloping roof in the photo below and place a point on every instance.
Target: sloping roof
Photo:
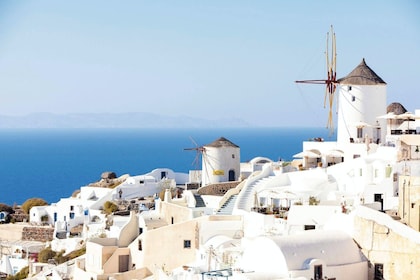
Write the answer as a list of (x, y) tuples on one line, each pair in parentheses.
[(222, 142), (362, 75)]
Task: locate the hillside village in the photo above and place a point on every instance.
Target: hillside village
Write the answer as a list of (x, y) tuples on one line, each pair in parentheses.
[(345, 209)]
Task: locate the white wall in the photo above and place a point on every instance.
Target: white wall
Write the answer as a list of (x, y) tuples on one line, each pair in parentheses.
[(359, 103), (216, 163)]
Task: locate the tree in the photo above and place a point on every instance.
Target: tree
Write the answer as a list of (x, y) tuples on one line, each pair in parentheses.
[(28, 204)]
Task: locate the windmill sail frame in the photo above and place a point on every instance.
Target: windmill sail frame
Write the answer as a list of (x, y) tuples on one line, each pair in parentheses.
[(331, 80)]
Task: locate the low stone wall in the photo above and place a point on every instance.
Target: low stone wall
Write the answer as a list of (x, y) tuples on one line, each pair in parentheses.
[(384, 241), (38, 233), (218, 189)]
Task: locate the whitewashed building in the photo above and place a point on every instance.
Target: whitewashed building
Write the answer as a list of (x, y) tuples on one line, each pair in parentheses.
[(310, 255), (149, 184)]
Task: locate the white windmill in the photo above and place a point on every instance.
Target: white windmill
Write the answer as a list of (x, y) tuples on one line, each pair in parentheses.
[(220, 161), (361, 99)]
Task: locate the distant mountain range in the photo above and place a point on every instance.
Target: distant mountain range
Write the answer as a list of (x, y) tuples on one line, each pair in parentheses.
[(113, 120)]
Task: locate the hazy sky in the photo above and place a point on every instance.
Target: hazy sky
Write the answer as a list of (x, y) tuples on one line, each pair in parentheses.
[(209, 59)]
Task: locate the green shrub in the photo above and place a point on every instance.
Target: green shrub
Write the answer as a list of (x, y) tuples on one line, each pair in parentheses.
[(22, 274), (46, 254), (313, 200), (76, 253), (110, 207), (28, 204)]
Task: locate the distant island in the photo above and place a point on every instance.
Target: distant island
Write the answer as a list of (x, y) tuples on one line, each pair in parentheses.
[(114, 120)]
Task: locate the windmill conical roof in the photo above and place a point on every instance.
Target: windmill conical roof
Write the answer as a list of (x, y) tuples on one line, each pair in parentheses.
[(396, 108), (362, 75), (222, 142)]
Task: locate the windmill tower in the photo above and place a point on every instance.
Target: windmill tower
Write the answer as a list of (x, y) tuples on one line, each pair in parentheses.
[(220, 162), (361, 99)]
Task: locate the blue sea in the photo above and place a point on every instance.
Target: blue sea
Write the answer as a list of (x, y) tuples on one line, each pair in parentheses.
[(52, 164)]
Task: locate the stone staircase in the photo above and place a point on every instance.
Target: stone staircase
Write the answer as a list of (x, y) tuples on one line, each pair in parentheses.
[(227, 207), (247, 195), (199, 202)]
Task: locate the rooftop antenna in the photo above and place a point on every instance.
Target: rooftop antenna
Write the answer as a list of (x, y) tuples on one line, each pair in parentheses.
[(331, 80)]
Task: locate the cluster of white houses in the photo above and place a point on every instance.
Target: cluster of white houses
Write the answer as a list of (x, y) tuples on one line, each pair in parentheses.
[(347, 209)]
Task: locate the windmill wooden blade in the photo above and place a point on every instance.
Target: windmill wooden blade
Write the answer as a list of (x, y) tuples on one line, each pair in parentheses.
[(331, 80), (199, 151)]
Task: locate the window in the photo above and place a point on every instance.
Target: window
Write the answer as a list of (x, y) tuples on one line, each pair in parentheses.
[(187, 243), (163, 174), (140, 245), (359, 132), (233, 155), (309, 227), (318, 272), (71, 208), (388, 171), (379, 271)]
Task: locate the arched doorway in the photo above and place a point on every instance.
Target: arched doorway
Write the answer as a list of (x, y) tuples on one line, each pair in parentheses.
[(231, 175)]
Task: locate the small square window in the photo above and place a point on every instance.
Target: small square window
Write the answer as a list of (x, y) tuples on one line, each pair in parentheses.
[(187, 243)]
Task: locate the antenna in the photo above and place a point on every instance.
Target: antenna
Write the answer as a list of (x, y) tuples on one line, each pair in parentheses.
[(331, 80)]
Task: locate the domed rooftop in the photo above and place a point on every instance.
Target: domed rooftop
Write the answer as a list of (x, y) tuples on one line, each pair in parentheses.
[(221, 142), (396, 108), (361, 75)]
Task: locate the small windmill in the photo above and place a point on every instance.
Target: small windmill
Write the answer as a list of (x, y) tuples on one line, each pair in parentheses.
[(331, 80), (201, 154)]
